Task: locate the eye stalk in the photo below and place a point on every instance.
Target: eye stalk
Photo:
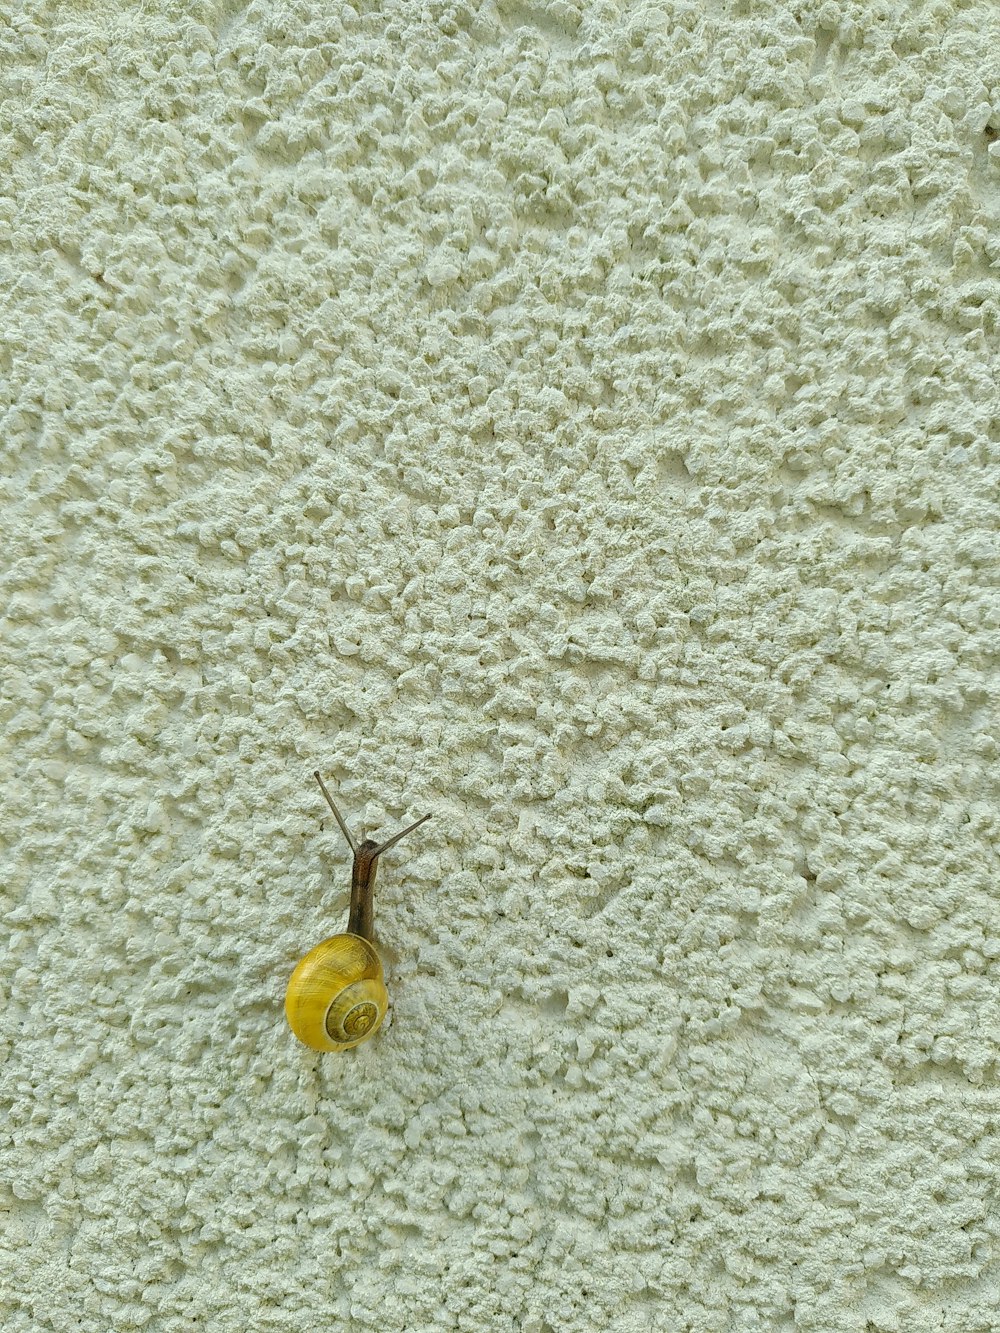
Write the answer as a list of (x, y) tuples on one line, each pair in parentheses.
[(361, 920)]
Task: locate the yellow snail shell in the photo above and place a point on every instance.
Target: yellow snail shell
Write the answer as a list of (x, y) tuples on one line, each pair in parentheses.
[(336, 997)]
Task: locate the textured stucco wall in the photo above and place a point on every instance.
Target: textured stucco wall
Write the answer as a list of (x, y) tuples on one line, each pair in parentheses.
[(579, 421)]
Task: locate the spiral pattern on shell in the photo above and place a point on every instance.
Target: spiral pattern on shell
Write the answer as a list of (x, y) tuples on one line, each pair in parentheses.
[(336, 996), (356, 1023)]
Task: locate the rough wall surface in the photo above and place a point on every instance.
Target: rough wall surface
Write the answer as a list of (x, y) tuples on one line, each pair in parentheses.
[(581, 422)]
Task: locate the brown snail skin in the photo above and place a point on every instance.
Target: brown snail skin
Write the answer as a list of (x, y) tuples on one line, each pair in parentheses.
[(336, 996)]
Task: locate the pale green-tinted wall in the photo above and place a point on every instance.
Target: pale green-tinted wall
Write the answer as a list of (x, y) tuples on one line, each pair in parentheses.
[(581, 422)]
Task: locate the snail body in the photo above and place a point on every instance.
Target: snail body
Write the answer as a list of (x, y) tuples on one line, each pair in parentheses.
[(336, 996)]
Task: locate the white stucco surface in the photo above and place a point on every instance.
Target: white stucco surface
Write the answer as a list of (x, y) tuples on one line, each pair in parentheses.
[(580, 422)]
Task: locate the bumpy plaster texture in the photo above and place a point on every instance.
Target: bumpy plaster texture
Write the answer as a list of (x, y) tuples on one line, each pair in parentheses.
[(578, 421)]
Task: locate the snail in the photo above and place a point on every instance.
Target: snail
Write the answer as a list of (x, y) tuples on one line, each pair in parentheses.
[(336, 996)]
